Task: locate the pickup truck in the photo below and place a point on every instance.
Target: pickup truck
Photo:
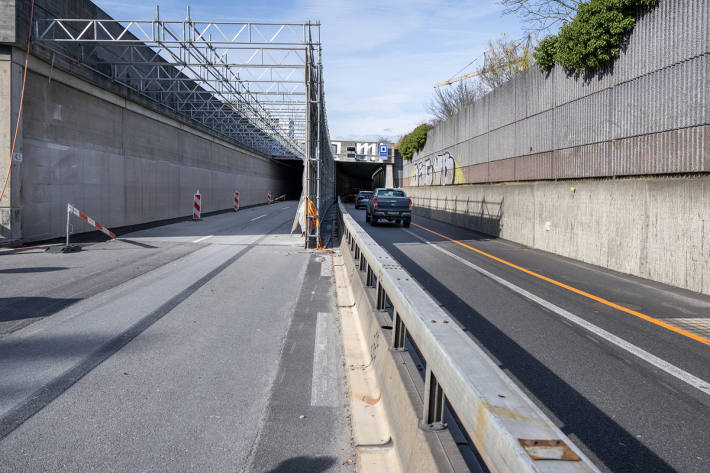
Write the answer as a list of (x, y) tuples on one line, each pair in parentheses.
[(389, 204), (362, 198)]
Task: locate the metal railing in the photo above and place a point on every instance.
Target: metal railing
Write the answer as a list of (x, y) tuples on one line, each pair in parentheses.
[(509, 431)]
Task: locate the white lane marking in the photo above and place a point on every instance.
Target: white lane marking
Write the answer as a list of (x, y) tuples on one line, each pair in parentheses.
[(257, 218), (287, 207), (202, 239), (324, 384), (659, 363), (326, 269)]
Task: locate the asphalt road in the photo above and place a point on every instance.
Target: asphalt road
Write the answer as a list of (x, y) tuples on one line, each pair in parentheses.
[(209, 346), (633, 393)]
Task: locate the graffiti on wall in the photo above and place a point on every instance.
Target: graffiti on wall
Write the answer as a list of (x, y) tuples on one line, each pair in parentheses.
[(439, 170)]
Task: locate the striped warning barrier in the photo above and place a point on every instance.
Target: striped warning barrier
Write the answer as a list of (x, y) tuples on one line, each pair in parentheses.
[(280, 198), (236, 201), (73, 210), (268, 197), (196, 205)]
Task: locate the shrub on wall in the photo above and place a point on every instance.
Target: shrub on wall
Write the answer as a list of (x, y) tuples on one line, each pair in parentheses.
[(414, 141), (593, 38)]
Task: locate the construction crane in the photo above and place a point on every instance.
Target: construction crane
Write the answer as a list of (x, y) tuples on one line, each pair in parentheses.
[(458, 79), (528, 45)]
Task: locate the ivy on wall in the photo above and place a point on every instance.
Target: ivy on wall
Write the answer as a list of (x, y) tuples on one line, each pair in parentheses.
[(414, 141), (593, 38)]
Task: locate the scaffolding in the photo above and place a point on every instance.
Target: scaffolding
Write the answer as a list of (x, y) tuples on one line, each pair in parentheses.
[(259, 85)]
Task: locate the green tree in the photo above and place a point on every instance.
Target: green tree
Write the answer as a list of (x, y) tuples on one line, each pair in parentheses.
[(414, 141), (593, 38)]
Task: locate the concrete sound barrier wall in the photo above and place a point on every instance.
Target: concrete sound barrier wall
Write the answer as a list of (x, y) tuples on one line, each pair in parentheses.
[(646, 114), (113, 158), (655, 228)]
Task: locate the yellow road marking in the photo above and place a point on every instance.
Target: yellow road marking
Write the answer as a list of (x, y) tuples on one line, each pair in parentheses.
[(635, 313)]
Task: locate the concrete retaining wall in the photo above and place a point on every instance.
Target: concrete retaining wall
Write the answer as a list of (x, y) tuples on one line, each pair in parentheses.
[(116, 160), (653, 228)]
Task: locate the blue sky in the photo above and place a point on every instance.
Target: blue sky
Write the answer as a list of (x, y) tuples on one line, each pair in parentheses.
[(381, 58)]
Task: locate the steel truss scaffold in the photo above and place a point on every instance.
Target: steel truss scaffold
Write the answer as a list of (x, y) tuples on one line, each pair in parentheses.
[(243, 80), (257, 84)]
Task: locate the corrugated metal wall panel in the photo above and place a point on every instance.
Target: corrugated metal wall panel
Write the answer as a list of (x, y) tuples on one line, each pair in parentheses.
[(502, 106), (474, 151), (501, 171), (522, 90), (501, 143), (673, 97), (675, 151), (476, 173), (541, 87), (668, 152), (581, 161), (479, 119), (533, 167), (535, 134), (582, 121)]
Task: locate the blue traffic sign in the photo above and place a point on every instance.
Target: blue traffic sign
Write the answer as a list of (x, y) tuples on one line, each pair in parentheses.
[(383, 150)]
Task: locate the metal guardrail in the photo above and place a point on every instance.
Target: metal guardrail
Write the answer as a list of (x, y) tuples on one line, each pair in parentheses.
[(509, 431)]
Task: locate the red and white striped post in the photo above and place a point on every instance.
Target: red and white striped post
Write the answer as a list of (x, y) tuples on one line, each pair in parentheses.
[(73, 210), (268, 197), (236, 201), (196, 206)]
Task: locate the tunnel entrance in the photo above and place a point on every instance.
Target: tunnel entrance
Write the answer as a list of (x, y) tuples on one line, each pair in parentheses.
[(293, 176), (352, 177)]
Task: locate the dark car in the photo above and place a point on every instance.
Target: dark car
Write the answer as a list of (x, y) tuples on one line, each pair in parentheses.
[(389, 204), (362, 198)]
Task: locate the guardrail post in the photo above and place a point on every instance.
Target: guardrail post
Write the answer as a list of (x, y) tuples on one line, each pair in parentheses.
[(399, 333), (370, 276), (381, 297), (434, 401)]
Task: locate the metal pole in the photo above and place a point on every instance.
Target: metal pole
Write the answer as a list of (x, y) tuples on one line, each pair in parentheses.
[(307, 161), (318, 137), (68, 214)]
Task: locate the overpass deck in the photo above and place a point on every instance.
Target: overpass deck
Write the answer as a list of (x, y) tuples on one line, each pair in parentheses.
[(633, 394), (185, 347)]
